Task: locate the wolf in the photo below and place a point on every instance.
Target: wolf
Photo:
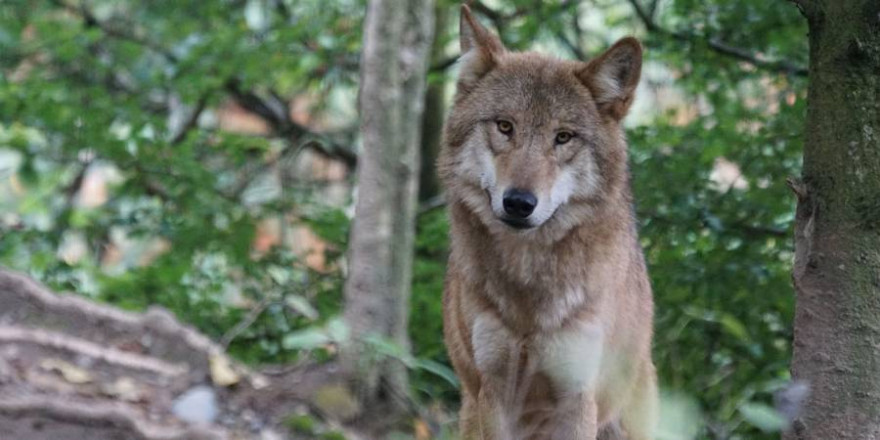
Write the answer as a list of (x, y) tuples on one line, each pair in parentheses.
[(548, 311)]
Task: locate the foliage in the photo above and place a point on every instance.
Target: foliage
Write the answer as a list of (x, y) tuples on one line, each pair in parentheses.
[(426, 318), (131, 90), (720, 257)]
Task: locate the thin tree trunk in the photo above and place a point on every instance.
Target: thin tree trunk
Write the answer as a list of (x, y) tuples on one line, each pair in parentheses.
[(432, 120), (837, 237), (397, 38)]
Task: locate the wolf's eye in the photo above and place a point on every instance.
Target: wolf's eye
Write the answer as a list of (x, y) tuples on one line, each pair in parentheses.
[(505, 127), (563, 137)]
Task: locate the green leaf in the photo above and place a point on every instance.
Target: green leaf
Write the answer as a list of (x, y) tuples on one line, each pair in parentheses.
[(385, 347), (438, 369), (735, 327), (335, 331), (302, 306), (763, 417), (308, 339), (338, 330)]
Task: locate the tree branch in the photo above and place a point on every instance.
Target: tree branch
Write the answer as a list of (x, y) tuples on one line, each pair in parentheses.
[(780, 66), (500, 20), (444, 64), (277, 119), (431, 204), (192, 121), (653, 8), (280, 122), (801, 5), (578, 32), (496, 17), (573, 45), (90, 21), (246, 322)]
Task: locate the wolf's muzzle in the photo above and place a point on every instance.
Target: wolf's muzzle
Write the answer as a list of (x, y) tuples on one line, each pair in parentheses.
[(517, 223), (519, 204)]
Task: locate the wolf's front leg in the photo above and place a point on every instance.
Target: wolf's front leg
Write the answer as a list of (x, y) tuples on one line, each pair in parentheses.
[(493, 420), (639, 418), (572, 358), (496, 356), (480, 420), (576, 418)]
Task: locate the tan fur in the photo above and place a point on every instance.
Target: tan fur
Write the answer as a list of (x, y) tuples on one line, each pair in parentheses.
[(549, 328)]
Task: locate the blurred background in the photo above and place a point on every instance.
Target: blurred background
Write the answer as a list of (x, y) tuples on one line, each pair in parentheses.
[(201, 156)]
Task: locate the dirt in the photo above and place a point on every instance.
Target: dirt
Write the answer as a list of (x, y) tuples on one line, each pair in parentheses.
[(74, 369)]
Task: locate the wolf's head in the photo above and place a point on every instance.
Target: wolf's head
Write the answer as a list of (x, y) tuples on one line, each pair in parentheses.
[(534, 142)]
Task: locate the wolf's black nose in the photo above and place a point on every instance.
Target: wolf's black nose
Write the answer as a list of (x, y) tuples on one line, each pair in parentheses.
[(519, 203)]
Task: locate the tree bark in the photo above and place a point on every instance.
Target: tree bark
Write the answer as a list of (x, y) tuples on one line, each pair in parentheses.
[(837, 237), (397, 38), (432, 120)]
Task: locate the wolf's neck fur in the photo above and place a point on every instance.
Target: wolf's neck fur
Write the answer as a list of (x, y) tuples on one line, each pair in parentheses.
[(527, 280)]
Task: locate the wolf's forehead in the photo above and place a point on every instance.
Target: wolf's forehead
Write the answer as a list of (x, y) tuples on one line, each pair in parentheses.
[(540, 86)]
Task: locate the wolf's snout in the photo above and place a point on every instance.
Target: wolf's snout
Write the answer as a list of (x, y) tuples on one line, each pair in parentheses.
[(519, 204)]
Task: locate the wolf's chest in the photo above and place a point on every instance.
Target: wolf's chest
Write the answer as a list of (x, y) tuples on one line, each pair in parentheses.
[(544, 306), (569, 357)]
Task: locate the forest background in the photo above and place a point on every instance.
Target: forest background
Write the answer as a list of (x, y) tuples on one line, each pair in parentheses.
[(201, 156)]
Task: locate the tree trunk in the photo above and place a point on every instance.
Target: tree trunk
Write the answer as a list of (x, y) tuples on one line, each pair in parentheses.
[(837, 237), (432, 120), (397, 38)]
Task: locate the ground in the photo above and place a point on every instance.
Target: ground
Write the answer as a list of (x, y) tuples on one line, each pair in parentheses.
[(73, 369)]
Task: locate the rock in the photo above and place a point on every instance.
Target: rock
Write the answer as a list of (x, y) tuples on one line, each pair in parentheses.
[(196, 405)]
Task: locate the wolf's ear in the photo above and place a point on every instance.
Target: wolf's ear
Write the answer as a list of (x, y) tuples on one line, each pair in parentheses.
[(480, 49), (613, 76)]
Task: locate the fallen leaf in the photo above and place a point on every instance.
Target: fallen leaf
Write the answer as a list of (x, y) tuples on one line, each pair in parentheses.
[(259, 381), (222, 373), (71, 373), (422, 431), (125, 389)]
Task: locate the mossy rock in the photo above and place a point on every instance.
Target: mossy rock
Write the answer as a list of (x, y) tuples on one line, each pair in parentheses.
[(301, 424), (337, 402)]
